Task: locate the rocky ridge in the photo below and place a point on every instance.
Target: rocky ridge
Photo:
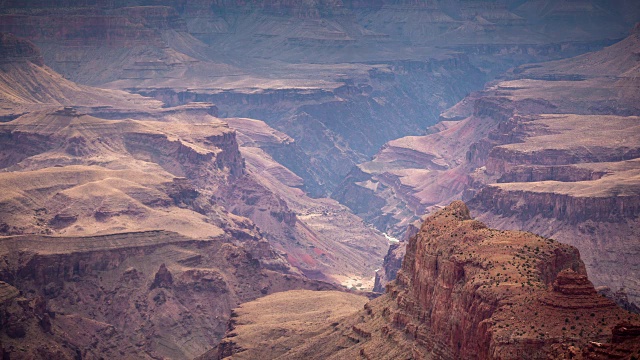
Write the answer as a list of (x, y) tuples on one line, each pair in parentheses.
[(202, 174), (552, 149), (347, 61), (26, 85), (145, 294), (466, 291), (202, 180), (119, 212)]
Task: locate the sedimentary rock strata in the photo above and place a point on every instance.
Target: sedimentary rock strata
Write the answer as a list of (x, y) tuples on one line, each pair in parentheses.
[(137, 214), (466, 291), (555, 155), (143, 295)]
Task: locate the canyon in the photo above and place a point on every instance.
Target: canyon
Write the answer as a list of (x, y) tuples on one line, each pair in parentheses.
[(320, 71), (141, 227), (165, 162), (551, 148)]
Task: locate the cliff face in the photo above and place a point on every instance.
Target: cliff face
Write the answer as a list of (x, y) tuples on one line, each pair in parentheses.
[(345, 65), (391, 264), (99, 43), (26, 85), (132, 230), (466, 291), (552, 149), (146, 294), (127, 291), (319, 236), (89, 175), (14, 49), (331, 122), (23, 319), (133, 166), (438, 265), (332, 81)]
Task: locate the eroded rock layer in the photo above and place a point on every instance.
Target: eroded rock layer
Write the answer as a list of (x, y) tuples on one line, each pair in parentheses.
[(551, 149), (321, 71), (130, 165), (466, 292), (86, 168), (130, 230), (142, 295)]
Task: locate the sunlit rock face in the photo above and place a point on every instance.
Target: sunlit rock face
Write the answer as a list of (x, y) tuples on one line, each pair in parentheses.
[(465, 291), (132, 229)]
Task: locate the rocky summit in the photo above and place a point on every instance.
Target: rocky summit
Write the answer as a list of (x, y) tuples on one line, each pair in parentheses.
[(464, 291), (164, 162)]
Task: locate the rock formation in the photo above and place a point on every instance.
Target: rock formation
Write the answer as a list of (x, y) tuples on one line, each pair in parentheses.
[(199, 174), (466, 291), (163, 278), (320, 71), (551, 149), (143, 295), (119, 214)]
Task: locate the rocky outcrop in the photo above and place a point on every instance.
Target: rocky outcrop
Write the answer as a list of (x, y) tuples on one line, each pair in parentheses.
[(362, 200), (564, 173), (131, 294), (574, 291), (391, 264), (564, 207), (466, 291), (32, 330), (393, 259), (183, 159), (306, 229), (424, 272), (163, 278)]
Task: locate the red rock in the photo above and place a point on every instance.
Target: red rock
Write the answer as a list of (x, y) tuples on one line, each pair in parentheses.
[(466, 292), (541, 151)]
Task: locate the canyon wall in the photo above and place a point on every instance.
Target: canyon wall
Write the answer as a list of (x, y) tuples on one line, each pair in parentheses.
[(145, 294), (465, 292), (552, 149), (197, 213), (118, 162), (340, 77)]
